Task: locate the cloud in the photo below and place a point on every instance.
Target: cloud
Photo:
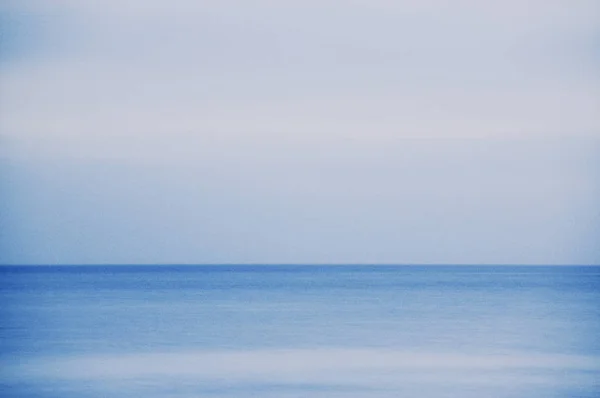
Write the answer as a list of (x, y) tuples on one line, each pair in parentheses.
[(419, 201), (340, 127), (264, 70)]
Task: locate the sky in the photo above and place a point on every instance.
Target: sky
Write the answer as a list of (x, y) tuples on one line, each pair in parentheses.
[(328, 132)]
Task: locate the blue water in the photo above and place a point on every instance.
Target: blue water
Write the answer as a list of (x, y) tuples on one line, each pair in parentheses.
[(300, 331)]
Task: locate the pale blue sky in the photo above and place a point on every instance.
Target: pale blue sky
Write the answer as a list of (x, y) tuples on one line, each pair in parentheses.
[(300, 132)]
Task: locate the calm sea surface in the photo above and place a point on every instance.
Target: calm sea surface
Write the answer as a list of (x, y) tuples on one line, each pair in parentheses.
[(293, 331)]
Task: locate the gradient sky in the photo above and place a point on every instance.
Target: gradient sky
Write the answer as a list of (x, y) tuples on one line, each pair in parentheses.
[(307, 131)]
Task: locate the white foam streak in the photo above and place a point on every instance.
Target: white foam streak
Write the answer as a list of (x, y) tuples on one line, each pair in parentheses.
[(306, 365)]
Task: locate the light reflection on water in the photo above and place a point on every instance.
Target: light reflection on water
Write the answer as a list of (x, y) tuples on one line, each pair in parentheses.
[(298, 332)]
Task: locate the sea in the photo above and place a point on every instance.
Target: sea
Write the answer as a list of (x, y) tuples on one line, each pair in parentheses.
[(300, 331)]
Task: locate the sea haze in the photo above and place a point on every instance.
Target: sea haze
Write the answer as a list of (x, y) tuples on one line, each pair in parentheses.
[(300, 331)]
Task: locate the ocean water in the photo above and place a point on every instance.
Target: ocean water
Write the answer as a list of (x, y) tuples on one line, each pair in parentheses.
[(300, 331)]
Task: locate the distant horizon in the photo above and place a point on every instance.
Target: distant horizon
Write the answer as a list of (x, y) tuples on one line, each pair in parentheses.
[(215, 265)]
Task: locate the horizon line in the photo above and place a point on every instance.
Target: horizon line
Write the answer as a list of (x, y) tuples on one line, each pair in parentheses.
[(296, 265)]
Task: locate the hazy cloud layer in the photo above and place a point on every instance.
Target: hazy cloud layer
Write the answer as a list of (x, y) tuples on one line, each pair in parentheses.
[(254, 68), (330, 131)]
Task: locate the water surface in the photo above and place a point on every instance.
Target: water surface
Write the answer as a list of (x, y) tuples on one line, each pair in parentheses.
[(300, 331)]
